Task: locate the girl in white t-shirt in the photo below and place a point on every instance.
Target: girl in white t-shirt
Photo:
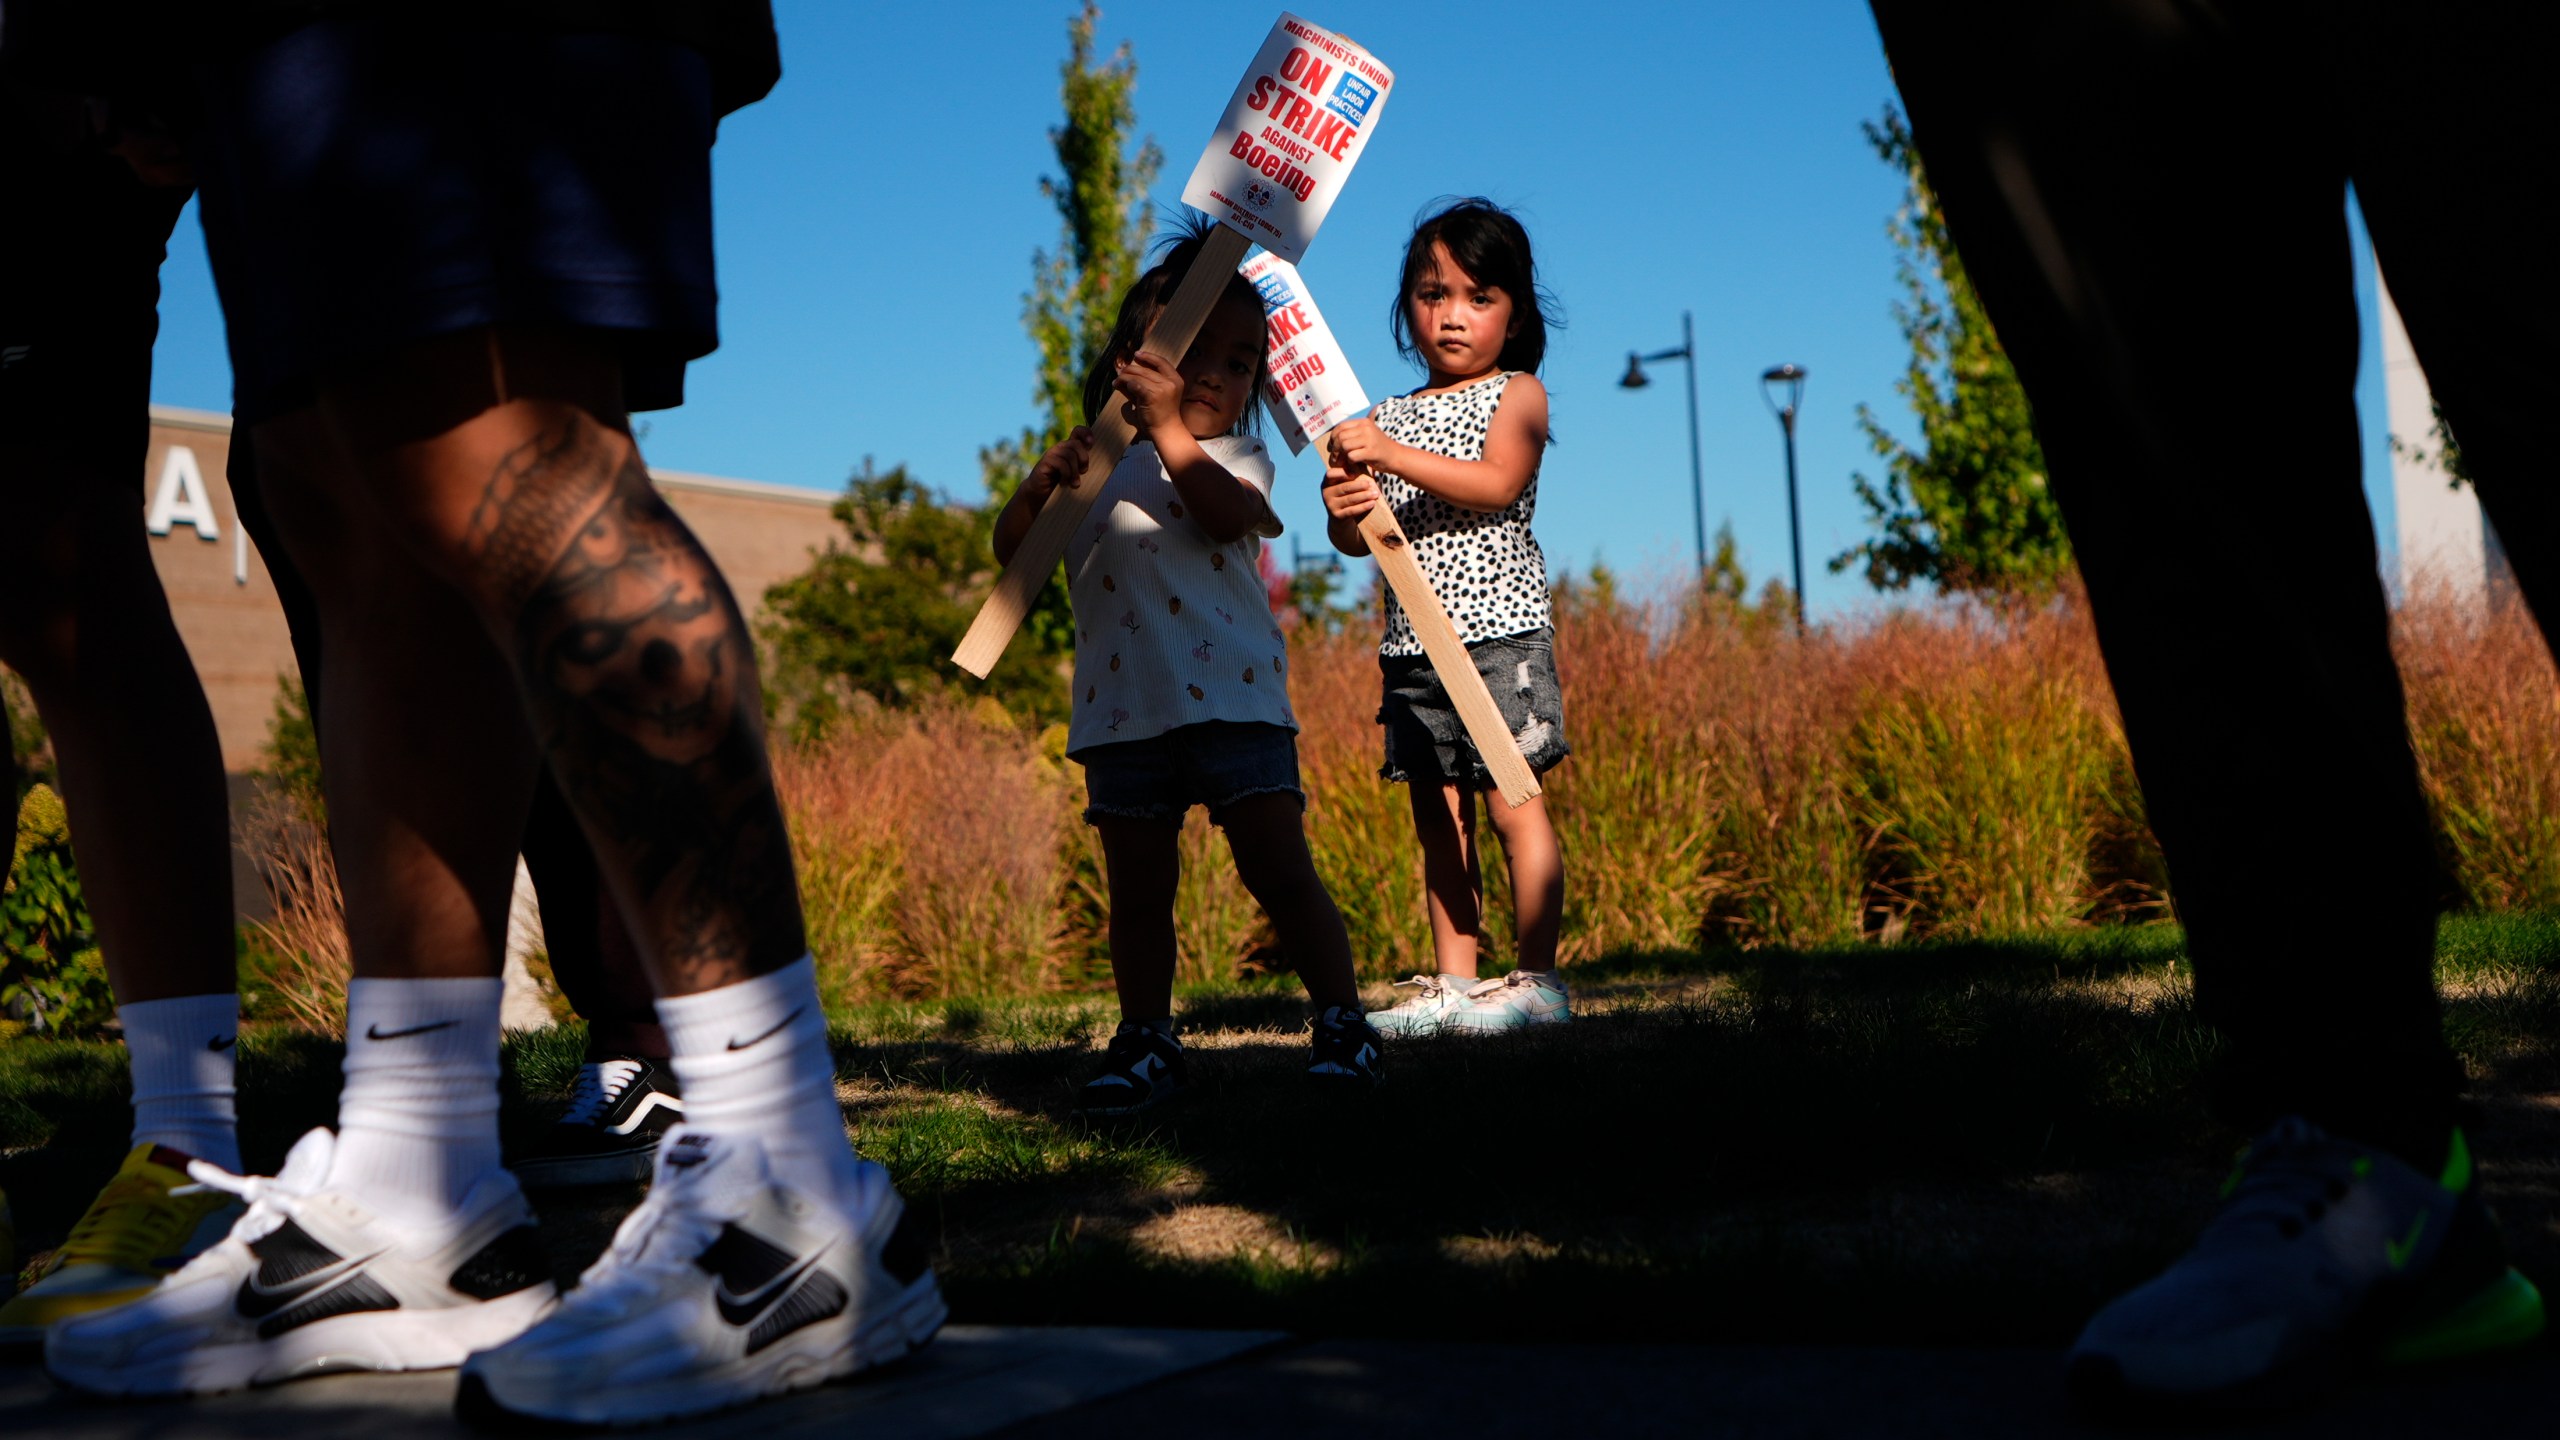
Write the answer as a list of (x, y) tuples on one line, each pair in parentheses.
[(1181, 695)]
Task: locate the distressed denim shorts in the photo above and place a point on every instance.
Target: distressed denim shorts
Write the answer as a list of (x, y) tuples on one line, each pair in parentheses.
[(1214, 763), (1426, 741)]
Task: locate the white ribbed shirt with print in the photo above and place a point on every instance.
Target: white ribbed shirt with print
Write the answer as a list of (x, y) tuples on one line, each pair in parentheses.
[(1171, 627)]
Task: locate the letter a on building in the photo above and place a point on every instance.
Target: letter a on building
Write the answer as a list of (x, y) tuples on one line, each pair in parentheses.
[(180, 498)]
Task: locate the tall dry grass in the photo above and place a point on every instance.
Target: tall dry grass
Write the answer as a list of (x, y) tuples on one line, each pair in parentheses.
[(2484, 717), (1734, 782), (308, 961)]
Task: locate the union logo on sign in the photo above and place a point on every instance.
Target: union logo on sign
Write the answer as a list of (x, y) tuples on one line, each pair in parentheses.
[(1258, 195)]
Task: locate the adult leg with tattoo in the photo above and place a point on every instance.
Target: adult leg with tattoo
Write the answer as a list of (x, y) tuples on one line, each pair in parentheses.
[(502, 459), (623, 1098)]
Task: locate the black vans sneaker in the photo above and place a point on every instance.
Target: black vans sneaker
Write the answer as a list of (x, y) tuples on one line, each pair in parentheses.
[(609, 1135), (1346, 1048), (1142, 1067)]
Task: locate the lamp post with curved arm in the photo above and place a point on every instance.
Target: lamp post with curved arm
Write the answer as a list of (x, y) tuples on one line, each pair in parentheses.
[(1636, 379), (1788, 381)]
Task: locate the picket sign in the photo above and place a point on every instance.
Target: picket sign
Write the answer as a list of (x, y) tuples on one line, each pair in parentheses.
[(1295, 126), (1046, 542), (1312, 390)]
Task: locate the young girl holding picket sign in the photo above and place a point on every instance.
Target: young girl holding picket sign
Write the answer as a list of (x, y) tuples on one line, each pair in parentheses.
[(1457, 462), (1180, 695)]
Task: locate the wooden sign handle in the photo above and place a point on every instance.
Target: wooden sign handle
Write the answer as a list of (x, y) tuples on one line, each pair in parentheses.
[(1457, 670), (1046, 543)]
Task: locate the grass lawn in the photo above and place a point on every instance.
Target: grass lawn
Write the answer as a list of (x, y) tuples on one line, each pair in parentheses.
[(1952, 1143)]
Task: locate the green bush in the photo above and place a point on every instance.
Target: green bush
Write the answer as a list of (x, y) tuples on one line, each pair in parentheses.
[(52, 979)]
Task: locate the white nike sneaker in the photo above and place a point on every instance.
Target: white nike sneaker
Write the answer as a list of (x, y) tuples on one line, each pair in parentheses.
[(309, 1282), (1435, 998), (1515, 1002), (726, 1286)]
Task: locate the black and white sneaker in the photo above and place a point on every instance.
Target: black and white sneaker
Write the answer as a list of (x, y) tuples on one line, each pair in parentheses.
[(724, 1287), (1346, 1049), (1142, 1067), (312, 1280), (618, 1110)]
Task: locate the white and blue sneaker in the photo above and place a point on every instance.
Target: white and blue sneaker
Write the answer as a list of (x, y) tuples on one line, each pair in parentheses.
[(310, 1281), (2326, 1257), (724, 1287), (1434, 999), (1515, 1002)]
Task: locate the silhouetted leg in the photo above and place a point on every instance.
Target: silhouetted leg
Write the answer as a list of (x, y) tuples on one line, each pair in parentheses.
[(2157, 226)]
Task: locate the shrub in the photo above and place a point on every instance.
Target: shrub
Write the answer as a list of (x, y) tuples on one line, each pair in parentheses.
[(52, 978)]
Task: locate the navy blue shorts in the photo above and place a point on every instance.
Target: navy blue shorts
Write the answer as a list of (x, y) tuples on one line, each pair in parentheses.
[(80, 259), (369, 183), (1214, 763)]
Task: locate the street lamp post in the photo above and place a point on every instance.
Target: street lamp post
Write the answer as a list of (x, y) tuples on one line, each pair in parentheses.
[(1788, 380), (1636, 379)]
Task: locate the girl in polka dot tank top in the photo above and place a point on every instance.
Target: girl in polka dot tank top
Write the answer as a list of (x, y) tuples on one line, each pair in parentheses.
[(1457, 461)]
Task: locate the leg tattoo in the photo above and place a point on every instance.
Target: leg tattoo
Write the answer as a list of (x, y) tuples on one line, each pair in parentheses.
[(640, 680)]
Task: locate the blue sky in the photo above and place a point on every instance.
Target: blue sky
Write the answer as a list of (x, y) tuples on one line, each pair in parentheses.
[(877, 216)]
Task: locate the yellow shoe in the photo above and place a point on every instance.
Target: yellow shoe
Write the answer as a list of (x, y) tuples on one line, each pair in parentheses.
[(134, 1233)]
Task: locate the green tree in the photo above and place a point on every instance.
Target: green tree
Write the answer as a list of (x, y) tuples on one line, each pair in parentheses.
[(1104, 222), (290, 760), (2447, 454), (881, 618), (1968, 510)]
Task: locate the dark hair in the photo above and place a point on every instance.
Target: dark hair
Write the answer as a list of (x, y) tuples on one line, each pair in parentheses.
[(1488, 243), (1138, 310)]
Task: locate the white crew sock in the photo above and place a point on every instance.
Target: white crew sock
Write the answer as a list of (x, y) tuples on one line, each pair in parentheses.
[(418, 1119), (752, 1061), (185, 1053)]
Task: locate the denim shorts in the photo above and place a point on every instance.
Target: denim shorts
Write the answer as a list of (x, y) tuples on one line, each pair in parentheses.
[(1214, 763), (1426, 741)]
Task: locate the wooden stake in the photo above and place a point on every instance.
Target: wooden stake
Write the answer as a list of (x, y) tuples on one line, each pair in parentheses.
[(1066, 508), (1457, 670)]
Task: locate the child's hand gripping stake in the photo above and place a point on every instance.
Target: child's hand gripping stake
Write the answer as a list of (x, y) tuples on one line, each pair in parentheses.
[(1312, 392), (1292, 131)]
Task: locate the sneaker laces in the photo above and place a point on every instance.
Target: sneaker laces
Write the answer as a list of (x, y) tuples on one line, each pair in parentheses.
[(2286, 1182), (1426, 988), (1488, 989), (663, 1237), (133, 1221), (600, 1085), (270, 1200)]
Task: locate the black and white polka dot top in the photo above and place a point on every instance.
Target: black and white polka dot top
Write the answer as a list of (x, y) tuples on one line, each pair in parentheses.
[(1483, 564)]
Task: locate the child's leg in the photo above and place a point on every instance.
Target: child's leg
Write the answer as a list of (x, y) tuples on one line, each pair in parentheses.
[(1444, 819), (1537, 878), (1142, 861), (1267, 835)]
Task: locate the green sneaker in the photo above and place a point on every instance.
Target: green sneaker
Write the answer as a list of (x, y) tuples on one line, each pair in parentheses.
[(2326, 1256)]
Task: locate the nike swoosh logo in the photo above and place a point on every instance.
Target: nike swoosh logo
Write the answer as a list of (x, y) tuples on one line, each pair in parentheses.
[(743, 1309), (220, 1043), (2399, 1251), (257, 1301), (376, 1032), (769, 1034)]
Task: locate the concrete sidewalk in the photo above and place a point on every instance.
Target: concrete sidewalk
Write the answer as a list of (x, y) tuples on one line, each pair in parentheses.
[(1066, 1384), (972, 1380)]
